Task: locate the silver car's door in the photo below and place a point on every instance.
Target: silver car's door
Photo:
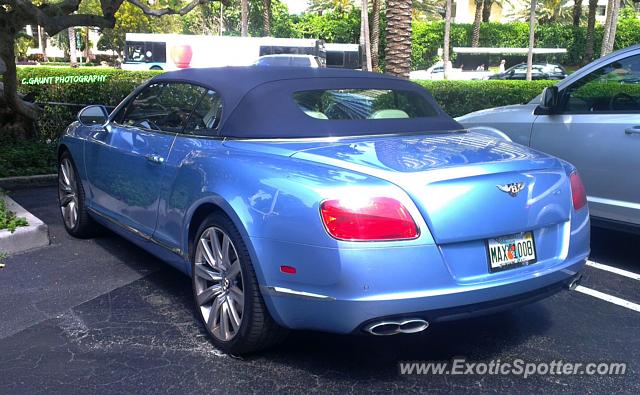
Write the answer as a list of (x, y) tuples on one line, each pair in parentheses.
[(597, 128)]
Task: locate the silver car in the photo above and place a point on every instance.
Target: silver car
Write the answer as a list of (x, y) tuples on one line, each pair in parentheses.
[(591, 119)]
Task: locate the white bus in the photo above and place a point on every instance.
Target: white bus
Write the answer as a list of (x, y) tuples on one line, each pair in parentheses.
[(176, 51), (344, 56)]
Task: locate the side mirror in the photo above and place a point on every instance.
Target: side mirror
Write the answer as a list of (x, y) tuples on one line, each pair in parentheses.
[(93, 115), (548, 101)]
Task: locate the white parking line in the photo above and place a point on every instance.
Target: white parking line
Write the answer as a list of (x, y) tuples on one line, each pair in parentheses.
[(615, 270), (611, 299)]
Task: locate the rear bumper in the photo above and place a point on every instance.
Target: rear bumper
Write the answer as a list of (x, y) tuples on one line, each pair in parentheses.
[(482, 308), (298, 309), (342, 289)]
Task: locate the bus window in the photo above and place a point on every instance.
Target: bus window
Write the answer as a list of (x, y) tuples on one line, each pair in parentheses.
[(135, 52), (146, 52), (335, 59)]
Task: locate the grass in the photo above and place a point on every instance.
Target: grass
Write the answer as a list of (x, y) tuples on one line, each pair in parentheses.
[(26, 158), (8, 219)]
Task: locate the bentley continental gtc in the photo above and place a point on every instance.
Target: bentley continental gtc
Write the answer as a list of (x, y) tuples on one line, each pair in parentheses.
[(322, 199)]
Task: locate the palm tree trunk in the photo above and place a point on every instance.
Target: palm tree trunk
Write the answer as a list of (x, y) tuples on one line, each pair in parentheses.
[(375, 35), (486, 10), (613, 27), (73, 57), (266, 17), (447, 39), (398, 34), (591, 24), (364, 35), (475, 39), (532, 25), (607, 29), (577, 12), (244, 28)]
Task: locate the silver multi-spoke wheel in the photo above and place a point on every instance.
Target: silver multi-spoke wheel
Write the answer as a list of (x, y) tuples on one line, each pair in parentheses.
[(219, 288), (68, 193)]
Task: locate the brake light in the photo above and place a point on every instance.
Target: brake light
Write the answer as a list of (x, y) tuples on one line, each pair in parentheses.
[(378, 218), (578, 193)]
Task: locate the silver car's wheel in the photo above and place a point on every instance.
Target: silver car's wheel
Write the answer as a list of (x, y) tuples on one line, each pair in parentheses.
[(68, 193), (218, 282)]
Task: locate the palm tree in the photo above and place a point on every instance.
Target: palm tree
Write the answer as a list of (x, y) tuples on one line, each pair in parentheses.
[(398, 34), (486, 10), (375, 34), (339, 6), (447, 39), (428, 9), (73, 57), (266, 17), (591, 24), (364, 35), (549, 11), (475, 38), (610, 26), (577, 12), (244, 28), (532, 24)]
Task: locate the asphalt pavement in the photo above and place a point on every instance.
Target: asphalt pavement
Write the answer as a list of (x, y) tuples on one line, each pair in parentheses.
[(103, 316)]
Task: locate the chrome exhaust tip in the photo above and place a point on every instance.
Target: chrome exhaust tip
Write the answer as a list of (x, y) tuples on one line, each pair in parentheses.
[(388, 328), (573, 284)]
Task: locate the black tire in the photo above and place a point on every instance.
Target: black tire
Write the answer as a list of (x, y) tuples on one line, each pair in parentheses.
[(155, 68), (257, 329), (84, 227)]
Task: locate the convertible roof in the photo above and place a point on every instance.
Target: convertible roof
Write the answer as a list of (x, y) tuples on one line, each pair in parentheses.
[(258, 101)]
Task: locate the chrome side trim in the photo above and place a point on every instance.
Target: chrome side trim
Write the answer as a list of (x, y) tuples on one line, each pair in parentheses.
[(338, 138), (140, 234), (291, 292), (612, 202)]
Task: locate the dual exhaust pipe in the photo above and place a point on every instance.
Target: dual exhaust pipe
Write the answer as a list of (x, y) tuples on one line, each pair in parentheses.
[(391, 327), (415, 325)]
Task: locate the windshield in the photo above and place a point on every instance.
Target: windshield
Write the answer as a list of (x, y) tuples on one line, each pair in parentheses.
[(363, 104)]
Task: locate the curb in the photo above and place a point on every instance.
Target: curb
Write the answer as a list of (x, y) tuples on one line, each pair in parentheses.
[(28, 181), (25, 238)]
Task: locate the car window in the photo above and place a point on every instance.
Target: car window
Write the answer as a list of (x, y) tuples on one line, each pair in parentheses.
[(162, 106), (363, 104), (611, 88), (205, 117)]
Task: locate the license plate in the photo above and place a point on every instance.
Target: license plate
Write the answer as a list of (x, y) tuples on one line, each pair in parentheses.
[(511, 251)]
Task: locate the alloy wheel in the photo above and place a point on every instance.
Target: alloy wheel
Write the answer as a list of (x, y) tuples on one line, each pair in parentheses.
[(218, 283), (68, 193)]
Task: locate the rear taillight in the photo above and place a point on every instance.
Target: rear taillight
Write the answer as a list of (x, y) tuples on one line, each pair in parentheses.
[(378, 218), (578, 193)]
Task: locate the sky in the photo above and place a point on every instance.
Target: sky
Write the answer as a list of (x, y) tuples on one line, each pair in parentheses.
[(296, 6)]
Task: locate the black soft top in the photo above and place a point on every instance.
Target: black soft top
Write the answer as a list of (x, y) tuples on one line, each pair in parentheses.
[(258, 101)]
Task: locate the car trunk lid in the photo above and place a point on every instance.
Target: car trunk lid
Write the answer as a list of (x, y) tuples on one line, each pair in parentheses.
[(464, 184)]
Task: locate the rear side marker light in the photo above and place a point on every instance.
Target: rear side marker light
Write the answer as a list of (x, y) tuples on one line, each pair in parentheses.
[(578, 192), (288, 269), (369, 219)]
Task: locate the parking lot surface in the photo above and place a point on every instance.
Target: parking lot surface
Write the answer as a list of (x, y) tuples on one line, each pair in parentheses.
[(103, 316)]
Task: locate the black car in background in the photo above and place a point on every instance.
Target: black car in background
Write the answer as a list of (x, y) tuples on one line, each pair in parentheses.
[(540, 71)]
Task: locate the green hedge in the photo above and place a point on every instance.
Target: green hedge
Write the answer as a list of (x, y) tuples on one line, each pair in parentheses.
[(109, 89), (26, 158), (462, 97)]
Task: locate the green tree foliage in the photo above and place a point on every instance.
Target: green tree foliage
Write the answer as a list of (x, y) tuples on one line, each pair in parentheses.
[(339, 27), (130, 19)]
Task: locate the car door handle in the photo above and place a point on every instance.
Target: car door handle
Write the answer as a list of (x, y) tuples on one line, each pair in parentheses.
[(632, 130), (155, 159)]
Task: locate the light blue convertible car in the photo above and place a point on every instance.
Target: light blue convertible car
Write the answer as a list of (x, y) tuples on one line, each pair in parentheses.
[(322, 199)]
